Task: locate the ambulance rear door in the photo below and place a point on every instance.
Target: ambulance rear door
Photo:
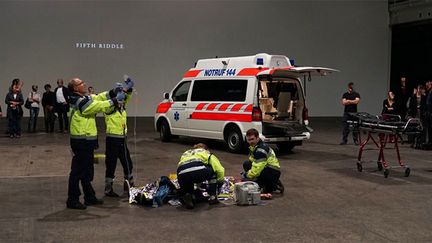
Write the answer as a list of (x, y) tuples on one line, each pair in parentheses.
[(298, 72)]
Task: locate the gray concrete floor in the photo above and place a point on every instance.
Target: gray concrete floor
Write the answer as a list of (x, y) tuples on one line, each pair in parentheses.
[(326, 199)]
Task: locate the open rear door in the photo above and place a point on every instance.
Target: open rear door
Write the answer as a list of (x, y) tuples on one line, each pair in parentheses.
[(298, 72)]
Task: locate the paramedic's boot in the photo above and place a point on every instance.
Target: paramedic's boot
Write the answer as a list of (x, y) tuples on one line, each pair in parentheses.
[(213, 200), (109, 192), (280, 187), (188, 201)]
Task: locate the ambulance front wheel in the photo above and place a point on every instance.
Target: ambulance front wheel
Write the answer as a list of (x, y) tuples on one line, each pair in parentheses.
[(234, 140), (165, 132)]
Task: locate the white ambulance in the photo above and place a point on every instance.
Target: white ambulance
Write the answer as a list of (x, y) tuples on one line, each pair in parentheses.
[(221, 98)]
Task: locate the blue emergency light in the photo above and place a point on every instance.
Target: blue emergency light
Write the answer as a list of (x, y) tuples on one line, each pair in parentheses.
[(260, 61)]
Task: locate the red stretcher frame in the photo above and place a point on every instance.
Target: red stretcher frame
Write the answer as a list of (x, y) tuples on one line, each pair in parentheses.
[(382, 132)]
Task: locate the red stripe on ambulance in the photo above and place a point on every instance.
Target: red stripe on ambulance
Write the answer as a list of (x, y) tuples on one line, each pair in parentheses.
[(191, 73), (221, 116), (250, 71), (249, 108), (283, 68), (200, 106), (223, 107), (163, 107), (237, 107), (212, 106)]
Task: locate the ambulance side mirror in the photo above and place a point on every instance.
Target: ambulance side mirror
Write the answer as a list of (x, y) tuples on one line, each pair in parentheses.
[(166, 96)]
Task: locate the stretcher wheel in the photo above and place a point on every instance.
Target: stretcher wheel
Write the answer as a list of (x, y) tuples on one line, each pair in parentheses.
[(407, 172), (380, 167), (359, 167), (386, 173)]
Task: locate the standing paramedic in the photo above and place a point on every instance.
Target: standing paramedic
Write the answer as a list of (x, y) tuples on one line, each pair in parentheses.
[(262, 166), (83, 139), (197, 165), (350, 100), (116, 143)]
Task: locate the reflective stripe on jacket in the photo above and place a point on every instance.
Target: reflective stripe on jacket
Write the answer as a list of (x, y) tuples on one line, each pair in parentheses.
[(116, 120), (261, 156), (84, 110), (205, 157)]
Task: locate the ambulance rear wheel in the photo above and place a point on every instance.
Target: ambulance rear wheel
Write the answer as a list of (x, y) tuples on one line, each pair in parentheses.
[(234, 140), (165, 132)]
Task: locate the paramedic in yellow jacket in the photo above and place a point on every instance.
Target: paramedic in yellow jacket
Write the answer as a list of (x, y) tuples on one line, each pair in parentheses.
[(197, 165), (116, 144), (262, 166), (83, 137)]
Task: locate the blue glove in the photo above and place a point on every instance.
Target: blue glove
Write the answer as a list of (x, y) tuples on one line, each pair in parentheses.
[(120, 96), (128, 82), (118, 88)]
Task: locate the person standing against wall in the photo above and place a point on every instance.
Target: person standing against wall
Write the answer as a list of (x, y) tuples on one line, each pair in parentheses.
[(350, 100), (34, 98), (417, 109), (14, 100), (48, 101), (428, 115), (389, 105), (62, 105)]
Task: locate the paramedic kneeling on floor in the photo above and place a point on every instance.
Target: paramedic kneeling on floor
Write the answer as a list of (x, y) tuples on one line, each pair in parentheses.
[(262, 166), (197, 165), (83, 139)]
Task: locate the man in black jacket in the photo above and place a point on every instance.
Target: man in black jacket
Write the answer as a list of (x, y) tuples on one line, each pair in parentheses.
[(48, 102), (350, 100), (62, 105)]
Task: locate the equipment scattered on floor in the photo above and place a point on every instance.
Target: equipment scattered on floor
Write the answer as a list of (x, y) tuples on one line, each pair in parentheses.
[(153, 194), (387, 129), (165, 190)]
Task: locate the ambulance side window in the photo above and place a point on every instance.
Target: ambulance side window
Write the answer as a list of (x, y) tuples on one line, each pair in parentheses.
[(181, 92), (232, 90)]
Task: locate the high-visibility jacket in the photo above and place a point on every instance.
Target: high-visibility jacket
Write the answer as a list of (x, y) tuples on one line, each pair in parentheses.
[(261, 156), (116, 120), (83, 116), (207, 158)]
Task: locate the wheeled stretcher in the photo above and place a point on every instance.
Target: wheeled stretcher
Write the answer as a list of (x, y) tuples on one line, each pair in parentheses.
[(383, 130)]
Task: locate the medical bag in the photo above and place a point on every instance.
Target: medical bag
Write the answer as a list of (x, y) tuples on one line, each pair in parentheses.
[(247, 193)]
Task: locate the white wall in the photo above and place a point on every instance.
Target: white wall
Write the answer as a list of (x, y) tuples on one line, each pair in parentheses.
[(162, 40)]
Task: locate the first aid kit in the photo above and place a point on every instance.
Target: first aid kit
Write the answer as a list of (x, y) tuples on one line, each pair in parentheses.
[(247, 193)]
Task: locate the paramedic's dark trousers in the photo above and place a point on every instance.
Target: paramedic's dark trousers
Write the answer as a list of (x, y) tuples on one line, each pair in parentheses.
[(346, 129), (196, 172), (267, 179), (82, 170), (116, 148)]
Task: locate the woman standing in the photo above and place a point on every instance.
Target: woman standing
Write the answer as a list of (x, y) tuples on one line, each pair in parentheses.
[(389, 106), (34, 98), (417, 109), (14, 100)]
